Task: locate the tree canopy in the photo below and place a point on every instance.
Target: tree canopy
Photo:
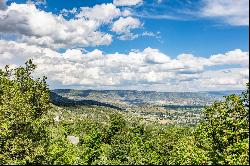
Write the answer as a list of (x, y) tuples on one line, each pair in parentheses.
[(23, 102)]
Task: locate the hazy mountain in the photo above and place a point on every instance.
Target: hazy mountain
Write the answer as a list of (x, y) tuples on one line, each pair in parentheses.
[(134, 97)]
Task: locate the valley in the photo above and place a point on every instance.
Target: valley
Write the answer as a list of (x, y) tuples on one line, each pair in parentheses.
[(167, 108)]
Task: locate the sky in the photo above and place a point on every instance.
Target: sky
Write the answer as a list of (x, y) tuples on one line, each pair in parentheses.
[(161, 45)]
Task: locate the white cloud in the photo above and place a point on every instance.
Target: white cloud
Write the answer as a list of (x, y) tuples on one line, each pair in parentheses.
[(127, 2), (154, 56), (126, 12), (128, 36), (233, 12), (123, 27), (66, 12), (35, 26), (40, 2), (103, 13), (37, 2), (219, 78), (231, 57), (190, 61), (151, 34), (142, 70)]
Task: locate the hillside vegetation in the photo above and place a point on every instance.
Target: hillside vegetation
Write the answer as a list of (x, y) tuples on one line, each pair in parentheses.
[(35, 131)]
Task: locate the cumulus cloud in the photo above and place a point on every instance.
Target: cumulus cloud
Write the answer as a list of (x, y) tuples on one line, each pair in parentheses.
[(190, 61), (38, 27), (233, 12), (127, 2), (106, 13), (154, 56), (235, 77), (103, 13), (126, 12), (39, 34), (124, 26), (231, 57), (141, 70)]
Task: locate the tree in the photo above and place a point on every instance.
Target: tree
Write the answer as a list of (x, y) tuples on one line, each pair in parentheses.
[(224, 133), (23, 103)]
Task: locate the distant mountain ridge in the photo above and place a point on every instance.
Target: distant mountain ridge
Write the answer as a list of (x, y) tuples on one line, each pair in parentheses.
[(134, 97), (225, 93), (63, 101)]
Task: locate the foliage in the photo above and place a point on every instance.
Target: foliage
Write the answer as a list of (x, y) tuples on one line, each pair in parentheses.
[(224, 133), (23, 102), (29, 135)]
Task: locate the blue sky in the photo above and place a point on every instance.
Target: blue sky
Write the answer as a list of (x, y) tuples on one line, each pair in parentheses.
[(187, 34), (193, 36)]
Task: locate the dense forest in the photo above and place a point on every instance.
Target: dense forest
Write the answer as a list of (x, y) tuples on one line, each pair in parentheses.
[(35, 131)]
